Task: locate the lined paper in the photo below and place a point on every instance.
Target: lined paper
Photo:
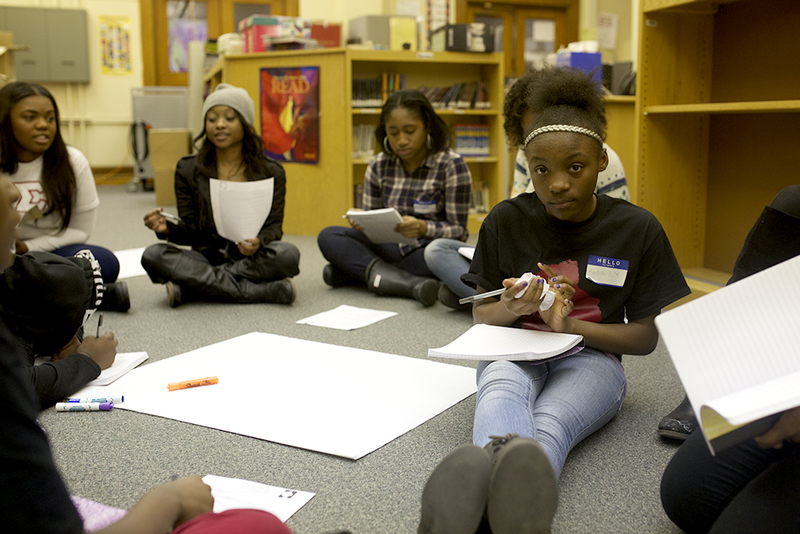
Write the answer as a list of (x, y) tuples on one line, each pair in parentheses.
[(739, 337)]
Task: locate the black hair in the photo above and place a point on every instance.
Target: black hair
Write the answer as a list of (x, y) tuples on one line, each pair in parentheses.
[(252, 152), (416, 103), (515, 105), (563, 95), (58, 177)]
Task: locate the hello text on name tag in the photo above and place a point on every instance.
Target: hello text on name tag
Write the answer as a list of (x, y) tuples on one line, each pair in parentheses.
[(607, 271)]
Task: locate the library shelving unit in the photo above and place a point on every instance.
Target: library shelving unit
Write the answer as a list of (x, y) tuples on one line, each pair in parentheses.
[(317, 195), (717, 123)]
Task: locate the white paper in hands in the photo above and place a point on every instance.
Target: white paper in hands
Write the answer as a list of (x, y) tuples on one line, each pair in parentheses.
[(240, 208), (378, 225)]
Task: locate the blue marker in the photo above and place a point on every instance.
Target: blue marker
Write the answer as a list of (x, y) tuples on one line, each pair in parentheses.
[(84, 406), (116, 399)]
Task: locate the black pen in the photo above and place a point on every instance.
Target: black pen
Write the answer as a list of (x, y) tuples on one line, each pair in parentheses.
[(99, 324)]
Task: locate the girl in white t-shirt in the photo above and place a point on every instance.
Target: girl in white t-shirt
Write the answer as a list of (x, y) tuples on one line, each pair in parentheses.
[(58, 196)]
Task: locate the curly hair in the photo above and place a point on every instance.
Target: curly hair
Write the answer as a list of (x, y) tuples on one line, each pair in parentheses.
[(58, 177), (564, 95), (515, 105), (416, 103)]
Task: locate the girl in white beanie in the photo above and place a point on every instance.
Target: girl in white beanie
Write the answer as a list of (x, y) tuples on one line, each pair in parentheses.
[(216, 269)]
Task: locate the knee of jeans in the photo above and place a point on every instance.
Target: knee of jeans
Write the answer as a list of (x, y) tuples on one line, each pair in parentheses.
[(504, 375)]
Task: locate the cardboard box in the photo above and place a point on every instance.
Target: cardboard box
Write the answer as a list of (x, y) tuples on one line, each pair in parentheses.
[(164, 184), (327, 34), (387, 32), (167, 146), (474, 37), (589, 62)]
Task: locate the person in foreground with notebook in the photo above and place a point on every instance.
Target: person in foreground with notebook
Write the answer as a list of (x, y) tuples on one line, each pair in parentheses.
[(257, 269), (613, 269), (428, 184), (33, 494), (753, 486), (445, 257), (46, 299)]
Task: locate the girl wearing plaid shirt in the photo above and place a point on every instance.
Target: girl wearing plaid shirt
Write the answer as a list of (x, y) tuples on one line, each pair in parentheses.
[(420, 176)]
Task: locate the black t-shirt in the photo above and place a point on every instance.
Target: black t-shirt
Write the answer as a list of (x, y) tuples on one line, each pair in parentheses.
[(33, 496), (620, 258)]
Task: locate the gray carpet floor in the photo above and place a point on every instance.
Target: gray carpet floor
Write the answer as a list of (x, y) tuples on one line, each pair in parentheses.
[(610, 482)]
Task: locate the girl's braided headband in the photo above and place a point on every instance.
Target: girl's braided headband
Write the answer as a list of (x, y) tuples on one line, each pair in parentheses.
[(562, 128)]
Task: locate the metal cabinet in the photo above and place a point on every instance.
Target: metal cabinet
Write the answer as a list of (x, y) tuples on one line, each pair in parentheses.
[(58, 41)]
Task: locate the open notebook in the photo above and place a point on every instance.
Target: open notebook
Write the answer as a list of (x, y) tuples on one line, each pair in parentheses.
[(736, 352), (378, 225), (487, 342)]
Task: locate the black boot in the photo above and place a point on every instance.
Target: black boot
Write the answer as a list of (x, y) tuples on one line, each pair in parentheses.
[(386, 279), (115, 297), (277, 292), (335, 277), (679, 423)]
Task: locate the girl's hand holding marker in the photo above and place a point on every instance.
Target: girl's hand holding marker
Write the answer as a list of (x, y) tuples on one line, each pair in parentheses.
[(542, 298)]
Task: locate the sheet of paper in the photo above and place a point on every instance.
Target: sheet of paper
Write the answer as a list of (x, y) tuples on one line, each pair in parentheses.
[(336, 400), (130, 263), (379, 225), (123, 363), (488, 342), (240, 208), (736, 338), (347, 317), (467, 252), (233, 493)]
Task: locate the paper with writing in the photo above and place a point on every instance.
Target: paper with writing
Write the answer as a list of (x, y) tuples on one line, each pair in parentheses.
[(379, 225), (240, 208)]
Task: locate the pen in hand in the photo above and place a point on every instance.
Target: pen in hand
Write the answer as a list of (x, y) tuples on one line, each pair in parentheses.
[(174, 218), (99, 324)]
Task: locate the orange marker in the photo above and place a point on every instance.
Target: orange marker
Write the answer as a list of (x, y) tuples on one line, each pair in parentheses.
[(193, 383)]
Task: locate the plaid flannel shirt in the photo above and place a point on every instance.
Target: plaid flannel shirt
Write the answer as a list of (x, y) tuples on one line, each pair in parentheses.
[(443, 178)]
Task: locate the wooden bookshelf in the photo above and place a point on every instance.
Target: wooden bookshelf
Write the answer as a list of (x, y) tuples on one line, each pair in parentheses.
[(318, 194), (717, 122)]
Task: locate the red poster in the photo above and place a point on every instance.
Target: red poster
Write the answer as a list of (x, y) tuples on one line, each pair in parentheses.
[(290, 113)]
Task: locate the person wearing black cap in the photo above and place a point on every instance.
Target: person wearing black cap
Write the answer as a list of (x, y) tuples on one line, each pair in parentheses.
[(216, 269)]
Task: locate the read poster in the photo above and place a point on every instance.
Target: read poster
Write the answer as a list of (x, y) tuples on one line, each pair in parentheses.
[(290, 113)]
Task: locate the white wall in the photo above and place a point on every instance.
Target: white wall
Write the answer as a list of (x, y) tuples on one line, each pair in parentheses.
[(96, 117)]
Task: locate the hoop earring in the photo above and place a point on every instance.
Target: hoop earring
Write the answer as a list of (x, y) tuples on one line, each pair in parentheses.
[(430, 143), (386, 145)]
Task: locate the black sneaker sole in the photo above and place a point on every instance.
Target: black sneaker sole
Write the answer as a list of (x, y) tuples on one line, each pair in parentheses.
[(454, 498)]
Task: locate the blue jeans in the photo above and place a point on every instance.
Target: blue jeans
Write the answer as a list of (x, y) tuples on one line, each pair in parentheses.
[(352, 252), (443, 259), (556, 404), (109, 264)]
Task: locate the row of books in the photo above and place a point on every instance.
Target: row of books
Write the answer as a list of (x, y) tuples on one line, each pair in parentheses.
[(467, 95), (363, 141), (373, 92), (471, 139)]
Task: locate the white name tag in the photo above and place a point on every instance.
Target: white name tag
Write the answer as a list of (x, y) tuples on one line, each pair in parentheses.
[(425, 207), (607, 271)]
